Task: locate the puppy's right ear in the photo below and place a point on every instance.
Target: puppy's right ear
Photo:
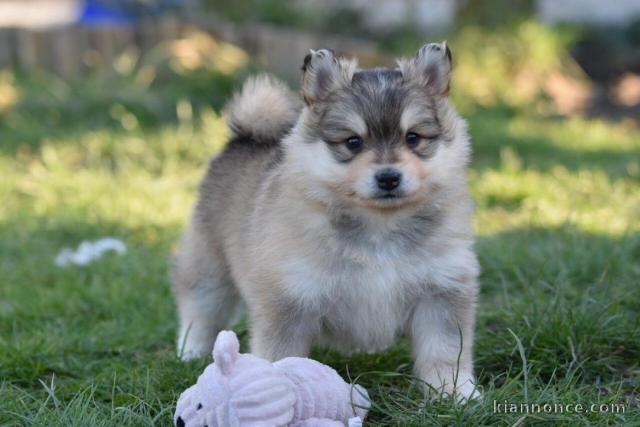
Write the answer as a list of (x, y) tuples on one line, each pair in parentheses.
[(322, 73)]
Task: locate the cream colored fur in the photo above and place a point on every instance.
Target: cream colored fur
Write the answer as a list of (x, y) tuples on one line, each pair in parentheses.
[(272, 229)]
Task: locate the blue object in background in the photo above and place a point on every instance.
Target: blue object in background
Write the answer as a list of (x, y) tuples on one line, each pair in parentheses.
[(122, 12), (97, 13)]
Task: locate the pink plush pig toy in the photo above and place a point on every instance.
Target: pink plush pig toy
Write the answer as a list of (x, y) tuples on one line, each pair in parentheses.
[(243, 390)]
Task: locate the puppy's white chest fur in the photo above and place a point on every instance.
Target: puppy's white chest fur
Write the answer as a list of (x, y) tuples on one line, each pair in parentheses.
[(362, 295)]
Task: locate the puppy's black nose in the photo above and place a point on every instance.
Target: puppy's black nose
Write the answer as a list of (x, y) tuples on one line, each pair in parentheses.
[(388, 179)]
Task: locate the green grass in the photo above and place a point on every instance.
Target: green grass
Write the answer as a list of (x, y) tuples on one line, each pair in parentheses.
[(558, 202)]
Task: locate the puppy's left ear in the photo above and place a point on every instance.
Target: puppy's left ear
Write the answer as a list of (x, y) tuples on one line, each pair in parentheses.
[(322, 73), (431, 67)]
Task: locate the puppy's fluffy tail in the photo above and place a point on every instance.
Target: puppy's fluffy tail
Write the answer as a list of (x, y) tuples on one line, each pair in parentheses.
[(263, 111)]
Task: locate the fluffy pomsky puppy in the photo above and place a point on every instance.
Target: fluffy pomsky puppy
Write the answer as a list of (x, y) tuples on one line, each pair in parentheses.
[(341, 221)]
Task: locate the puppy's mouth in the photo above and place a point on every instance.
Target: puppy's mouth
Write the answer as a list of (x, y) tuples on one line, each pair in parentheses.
[(388, 200), (388, 195), (395, 194)]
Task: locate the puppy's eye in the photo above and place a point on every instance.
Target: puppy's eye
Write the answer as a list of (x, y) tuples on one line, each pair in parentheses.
[(413, 139), (354, 143)]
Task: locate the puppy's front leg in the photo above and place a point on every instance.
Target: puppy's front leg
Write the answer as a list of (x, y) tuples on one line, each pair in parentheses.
[(439, 324), (278, 331)]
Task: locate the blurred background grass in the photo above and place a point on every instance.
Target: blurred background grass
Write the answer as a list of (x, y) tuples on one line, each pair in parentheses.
[(119, 147)]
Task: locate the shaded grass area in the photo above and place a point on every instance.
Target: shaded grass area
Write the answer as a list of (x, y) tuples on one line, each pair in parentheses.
[(558, 202)]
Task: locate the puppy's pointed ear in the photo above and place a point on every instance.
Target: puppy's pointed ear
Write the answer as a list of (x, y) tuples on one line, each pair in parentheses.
[(322, 72), (431, 67)]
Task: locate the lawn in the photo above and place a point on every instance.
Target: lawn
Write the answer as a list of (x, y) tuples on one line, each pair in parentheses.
[(558, 203)]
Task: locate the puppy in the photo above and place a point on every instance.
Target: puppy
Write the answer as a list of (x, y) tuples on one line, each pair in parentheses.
[(342, 221)]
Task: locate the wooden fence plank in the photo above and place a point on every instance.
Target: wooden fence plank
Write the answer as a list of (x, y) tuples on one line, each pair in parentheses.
[(67, 48), (73, 49), (6, 56), (26, 54)]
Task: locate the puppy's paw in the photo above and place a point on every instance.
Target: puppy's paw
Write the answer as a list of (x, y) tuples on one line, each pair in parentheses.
[(461, 388), (466, 392), (188, 355), (190, 348)]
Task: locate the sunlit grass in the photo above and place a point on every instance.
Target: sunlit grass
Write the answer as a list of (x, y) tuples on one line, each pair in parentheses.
[(558, 202), (589, 200), (553, 236), (580, 134), (145, 177)]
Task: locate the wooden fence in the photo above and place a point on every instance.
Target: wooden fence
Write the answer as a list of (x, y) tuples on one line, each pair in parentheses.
[(74, 49)]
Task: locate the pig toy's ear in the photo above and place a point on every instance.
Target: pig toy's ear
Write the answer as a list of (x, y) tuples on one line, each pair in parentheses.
[(430, 67), (226, 351)]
